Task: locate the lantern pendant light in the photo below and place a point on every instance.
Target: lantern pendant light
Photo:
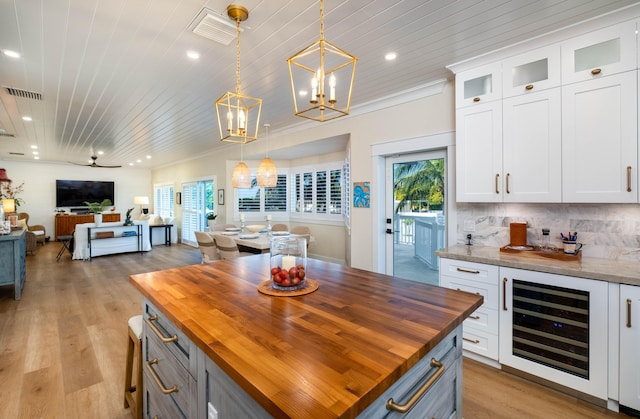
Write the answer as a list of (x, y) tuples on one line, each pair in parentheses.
[(241, 177), (267, 174), (238, 114), (319, 66)]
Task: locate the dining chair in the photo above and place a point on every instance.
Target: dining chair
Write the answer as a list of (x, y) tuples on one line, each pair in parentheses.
[(207, 246), (302, 231), (228, 248), (279, 227)]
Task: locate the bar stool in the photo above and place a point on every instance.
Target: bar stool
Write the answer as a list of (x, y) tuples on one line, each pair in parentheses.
[(134, 347)]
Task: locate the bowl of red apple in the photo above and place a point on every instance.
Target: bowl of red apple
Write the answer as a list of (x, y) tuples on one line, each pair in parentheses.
[(288, 267)]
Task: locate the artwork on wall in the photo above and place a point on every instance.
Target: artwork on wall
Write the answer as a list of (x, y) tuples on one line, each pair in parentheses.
[(220, 196), (361, 194), (178, 198)]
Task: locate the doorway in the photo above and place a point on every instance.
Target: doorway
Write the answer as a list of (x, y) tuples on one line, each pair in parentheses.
[(415, 214)]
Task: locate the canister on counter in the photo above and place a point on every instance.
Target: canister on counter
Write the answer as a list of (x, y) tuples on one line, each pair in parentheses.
[(518, 233)]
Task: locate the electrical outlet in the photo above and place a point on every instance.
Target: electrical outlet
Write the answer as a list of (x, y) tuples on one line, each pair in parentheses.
[(469, 225), (213, 413)]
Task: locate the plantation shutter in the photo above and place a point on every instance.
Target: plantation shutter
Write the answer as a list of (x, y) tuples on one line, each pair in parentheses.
[(190, 213), (275, 199)]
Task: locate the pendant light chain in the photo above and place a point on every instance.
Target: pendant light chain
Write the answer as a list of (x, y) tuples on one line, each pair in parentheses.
[(321, 19), (238, 56)]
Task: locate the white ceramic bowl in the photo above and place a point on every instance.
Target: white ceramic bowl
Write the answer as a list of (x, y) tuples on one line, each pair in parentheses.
[(255, 228)]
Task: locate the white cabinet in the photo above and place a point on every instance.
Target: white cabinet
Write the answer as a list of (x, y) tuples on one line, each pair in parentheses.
[(509, 151), (479, 153), (480, 85), (629, 347), (599, 140), (599, 53), (531, 72), (532, 147), (480, 329)]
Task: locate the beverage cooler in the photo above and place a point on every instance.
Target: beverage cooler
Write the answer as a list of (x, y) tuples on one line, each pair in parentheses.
[(555, 327)]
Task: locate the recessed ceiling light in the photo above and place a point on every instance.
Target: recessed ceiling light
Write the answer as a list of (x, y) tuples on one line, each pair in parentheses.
[(148, 157), (138, 161), (193, 55), (35, 153), (390, 56), (34, 147), (303, 92), (11, 54), (36, 158), (130, 164), (100, 152), (27, 118)]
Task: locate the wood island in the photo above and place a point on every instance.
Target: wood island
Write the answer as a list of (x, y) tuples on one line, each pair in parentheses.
[(213, 346)]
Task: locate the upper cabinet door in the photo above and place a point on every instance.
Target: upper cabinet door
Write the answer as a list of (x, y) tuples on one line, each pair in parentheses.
[(600, 53), (480, 85), (531, 72), (600, 140)]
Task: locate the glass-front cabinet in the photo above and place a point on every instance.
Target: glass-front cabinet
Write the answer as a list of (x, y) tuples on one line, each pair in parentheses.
[(480, 85), (531, 72), (599, 53)]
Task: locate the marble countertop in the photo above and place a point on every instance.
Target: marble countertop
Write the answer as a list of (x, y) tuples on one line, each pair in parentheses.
[(623, 272)]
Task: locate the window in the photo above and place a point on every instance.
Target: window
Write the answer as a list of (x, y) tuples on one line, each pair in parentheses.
[(318, 190), (163, 200), (260, 200)]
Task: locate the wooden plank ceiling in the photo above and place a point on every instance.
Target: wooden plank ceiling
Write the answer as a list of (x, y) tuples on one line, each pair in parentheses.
[(114, 76)]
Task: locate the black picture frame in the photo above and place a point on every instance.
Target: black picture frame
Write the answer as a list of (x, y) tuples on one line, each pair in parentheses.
[(220, 196), (179, 198)]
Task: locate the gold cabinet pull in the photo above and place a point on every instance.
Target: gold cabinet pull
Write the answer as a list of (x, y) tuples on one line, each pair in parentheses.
[(628, 178), (157, 379), (157, 331), (476, 99), (628, 312), (474, 317), (469, 271), (508, 174), (497, 178), (458, 289), (529, 86), (596, 71), (476, 341), (504, 294), (404, 408)]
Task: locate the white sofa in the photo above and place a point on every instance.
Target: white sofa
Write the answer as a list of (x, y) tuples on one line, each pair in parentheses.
[(109, 246), (157, 234)]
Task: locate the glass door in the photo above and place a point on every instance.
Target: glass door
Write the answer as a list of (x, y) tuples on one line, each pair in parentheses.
[(415, 208), (197, 202)]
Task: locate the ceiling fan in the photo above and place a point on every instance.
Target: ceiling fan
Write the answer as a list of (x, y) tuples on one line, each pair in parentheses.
[(94, 164)]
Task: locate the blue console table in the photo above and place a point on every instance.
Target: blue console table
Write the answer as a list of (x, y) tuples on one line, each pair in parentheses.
[(13, 264)]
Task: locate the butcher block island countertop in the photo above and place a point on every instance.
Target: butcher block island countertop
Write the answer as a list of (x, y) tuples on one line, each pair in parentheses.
[(329, 353)]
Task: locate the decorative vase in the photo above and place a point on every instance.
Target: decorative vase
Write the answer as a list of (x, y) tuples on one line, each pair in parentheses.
[(212, 224), (288, 263), (97, 218)]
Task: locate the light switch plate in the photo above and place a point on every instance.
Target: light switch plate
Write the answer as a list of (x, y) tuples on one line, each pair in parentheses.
[(469, 225)]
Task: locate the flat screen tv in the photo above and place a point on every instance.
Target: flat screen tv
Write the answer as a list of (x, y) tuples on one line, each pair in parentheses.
[(73, 193)]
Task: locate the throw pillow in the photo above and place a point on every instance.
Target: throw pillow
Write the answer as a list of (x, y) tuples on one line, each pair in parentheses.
[(22, 224)]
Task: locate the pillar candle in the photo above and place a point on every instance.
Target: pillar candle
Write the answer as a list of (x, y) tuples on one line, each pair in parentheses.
[(288, 262)]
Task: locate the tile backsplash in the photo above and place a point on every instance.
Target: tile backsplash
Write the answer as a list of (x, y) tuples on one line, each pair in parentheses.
[(610, 231)]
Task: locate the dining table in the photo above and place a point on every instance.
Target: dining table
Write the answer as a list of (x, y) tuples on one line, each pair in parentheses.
[(252, 242)]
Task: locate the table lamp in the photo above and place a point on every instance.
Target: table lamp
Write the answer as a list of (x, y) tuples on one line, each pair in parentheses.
[(9, 205), (141, 200)]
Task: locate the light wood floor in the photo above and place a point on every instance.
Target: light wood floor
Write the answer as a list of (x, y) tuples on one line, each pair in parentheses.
[(62, 347)]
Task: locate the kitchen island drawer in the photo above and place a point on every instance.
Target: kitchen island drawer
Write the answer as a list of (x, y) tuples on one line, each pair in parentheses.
[(473, 271), (157, 327), (442, 399)]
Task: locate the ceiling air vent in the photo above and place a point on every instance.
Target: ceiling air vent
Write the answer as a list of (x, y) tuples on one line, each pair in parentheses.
[(23, 93), (16, 154), (6, 134), (214, 26)]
